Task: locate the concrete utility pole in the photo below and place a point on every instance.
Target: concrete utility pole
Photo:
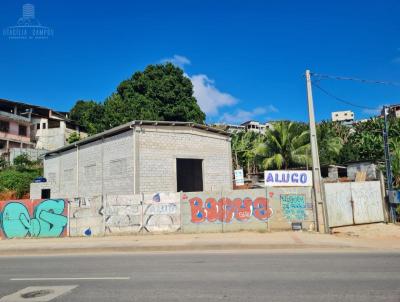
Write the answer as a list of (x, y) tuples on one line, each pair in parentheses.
[(389, 176), (316, 168)]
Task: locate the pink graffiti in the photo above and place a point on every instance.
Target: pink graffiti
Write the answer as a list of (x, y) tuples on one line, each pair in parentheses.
[(225, 209)]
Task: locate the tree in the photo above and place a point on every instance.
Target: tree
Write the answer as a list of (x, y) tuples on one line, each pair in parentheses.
[(364, 142), (89, 115), (160, 92), (331, 138), (22, 162), (73, 137), (287, 145)]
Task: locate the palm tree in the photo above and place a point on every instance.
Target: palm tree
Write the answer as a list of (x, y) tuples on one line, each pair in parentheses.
[(244, 150), (287, 145)]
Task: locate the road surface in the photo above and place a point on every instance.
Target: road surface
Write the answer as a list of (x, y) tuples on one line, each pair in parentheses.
[(206, 276)]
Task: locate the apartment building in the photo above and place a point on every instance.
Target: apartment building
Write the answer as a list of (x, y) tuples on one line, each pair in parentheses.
[(26, 127)]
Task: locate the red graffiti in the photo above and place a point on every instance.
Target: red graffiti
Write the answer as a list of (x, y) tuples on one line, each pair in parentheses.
[(225, 209)]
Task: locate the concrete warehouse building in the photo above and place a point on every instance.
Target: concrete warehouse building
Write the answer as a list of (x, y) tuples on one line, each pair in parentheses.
[(140, 157)]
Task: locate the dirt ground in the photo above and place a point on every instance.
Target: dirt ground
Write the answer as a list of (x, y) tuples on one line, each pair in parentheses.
[(369, 231)]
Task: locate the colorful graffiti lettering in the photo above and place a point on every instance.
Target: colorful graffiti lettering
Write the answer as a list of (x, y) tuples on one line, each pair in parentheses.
[(293, 207), (225, 209), (49, 218)]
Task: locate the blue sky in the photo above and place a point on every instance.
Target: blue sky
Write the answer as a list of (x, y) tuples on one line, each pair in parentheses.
[(245, 58)]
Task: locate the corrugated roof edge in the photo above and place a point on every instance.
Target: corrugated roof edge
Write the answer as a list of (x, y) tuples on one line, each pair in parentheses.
[(127, 126)]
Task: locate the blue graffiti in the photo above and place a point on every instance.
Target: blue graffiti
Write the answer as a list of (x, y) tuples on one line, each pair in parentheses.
[(48, 219), (293, 207)]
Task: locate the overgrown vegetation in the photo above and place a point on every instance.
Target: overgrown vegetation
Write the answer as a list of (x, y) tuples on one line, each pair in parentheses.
[(15, 180), (287, 145)]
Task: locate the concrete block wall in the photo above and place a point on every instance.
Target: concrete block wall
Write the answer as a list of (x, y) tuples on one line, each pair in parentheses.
[(86, 216), (261, 210), (125, 214), (118, 164), (104, 167), (159, 147)]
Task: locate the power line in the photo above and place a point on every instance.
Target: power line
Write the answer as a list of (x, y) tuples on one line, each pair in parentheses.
[(325, 76), (340, 99)]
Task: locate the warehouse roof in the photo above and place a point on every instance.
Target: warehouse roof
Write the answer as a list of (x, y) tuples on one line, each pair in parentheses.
[(127, 126)]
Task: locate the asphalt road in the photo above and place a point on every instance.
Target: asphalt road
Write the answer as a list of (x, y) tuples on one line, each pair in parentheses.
[(222, 276)]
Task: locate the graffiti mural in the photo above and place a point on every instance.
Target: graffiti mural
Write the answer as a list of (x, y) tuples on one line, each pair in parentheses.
[(39, 218), (294, 207), (226, 209), (158, 212)]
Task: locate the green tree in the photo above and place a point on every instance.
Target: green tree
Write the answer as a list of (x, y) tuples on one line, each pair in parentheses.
[(286, 145), (365, 142), (245, 151), (89, 115), (331, 138), (160, 92), (73, 137)]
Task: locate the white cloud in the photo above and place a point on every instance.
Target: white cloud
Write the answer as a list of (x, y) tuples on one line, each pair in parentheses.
[(240, 115), (177, 60), (210, 99)]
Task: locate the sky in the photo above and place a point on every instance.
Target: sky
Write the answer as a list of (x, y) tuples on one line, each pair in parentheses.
[(246, 59)]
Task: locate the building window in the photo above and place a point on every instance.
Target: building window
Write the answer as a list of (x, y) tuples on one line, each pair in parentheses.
[(117, 166), (90, 171), (38, 126), (4, 126), (22, 130), (54, 124), (43, 125)]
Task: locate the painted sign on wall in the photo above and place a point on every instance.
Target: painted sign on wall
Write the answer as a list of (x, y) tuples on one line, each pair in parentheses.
[(285, 178), (38, 218), (293, 207), (226, 209)]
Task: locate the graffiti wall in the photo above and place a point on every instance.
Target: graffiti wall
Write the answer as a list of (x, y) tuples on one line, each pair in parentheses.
[(125, 214), (262, 210), (291, 205), (86, 216), (159, 212), (37, 218)]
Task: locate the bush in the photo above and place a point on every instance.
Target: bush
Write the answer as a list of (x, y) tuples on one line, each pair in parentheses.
[(18, 181)]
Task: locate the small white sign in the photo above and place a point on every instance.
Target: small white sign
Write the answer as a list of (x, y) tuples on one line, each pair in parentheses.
[(285, 178), (239, 178)]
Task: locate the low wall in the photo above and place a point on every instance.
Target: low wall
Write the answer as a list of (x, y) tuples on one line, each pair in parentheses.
[(125, 214), (259, 210), (256, 210), (33, 218)]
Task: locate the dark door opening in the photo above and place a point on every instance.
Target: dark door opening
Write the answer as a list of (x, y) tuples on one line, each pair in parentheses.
[(45, 194), (189, 174)]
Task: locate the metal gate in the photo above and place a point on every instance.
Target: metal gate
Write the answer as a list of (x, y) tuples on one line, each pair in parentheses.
[(354, 203)]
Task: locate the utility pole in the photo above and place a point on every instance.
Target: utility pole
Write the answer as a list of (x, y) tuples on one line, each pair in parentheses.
[(389, 177), (316, 168)]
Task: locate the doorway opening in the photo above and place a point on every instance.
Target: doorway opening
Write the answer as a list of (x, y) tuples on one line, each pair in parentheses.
[(45, 194), (189, 174)]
